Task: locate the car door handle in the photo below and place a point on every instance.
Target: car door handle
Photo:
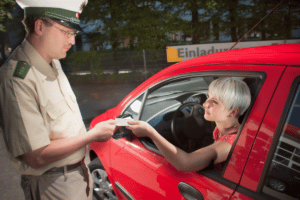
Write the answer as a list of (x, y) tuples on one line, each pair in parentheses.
[(189, 192)]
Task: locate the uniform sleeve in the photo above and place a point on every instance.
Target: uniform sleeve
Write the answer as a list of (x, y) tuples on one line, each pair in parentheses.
[(22, 122)]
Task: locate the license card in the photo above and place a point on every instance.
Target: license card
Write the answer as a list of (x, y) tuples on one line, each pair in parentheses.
[(123, 122)]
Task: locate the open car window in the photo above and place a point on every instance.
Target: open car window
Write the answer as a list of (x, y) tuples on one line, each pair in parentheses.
[(170, 96), (163, 100)]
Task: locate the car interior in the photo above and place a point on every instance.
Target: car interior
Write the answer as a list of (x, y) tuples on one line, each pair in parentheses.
[(175, 109)]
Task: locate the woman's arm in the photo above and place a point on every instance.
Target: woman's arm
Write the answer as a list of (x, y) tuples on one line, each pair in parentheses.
[(181, 160)]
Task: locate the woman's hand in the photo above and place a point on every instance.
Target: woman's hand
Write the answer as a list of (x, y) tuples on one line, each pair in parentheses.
[(140, 128)]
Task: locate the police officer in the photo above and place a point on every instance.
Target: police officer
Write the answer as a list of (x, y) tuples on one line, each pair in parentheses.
[(43, 129)]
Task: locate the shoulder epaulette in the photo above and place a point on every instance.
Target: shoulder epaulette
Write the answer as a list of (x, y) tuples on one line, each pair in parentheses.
[(22, 69)]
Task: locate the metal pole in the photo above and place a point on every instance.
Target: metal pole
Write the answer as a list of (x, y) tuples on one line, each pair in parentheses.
[(145, 66)]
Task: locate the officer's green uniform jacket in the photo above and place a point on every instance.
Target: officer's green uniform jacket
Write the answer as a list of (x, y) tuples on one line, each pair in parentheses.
[(37, 105)]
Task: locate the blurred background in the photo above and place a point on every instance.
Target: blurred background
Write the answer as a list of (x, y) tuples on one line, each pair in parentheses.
[(124, 43)]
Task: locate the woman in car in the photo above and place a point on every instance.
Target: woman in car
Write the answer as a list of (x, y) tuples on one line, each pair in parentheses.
[(228, 98)]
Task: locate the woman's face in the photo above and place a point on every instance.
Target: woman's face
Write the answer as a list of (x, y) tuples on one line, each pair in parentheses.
[(215, 110)]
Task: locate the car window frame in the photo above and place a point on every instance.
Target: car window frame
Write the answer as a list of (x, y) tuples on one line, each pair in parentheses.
[(279, 129), (209, 173), (258, 193), (246, 74)]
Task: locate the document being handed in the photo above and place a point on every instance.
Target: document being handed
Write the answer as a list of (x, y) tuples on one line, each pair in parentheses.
[(123, 121)]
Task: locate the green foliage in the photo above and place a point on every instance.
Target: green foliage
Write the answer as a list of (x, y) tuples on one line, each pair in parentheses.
[(108, 12), (278, 24), (147, 24), (5, 12), (83, 61)]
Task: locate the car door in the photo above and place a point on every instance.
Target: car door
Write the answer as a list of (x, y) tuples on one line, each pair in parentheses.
[(141, 172), (273, 168)]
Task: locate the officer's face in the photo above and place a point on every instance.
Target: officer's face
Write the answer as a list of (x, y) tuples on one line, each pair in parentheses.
[(58, 41)]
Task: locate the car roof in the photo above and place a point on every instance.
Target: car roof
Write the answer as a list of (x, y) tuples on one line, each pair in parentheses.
[(281, 54)]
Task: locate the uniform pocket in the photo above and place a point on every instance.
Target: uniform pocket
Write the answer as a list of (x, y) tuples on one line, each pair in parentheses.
[(59, 120), (56, 110)]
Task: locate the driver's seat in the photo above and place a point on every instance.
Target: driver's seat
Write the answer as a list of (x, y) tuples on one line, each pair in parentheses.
[(200, 140), (198, 131)]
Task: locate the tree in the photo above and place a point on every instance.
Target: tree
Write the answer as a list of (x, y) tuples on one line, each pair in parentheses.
[(148, 24), (137, 24), (15, 28), (5, 13), (279, 23), (234, 14), (144, 24), (106, 15), (192, 17)]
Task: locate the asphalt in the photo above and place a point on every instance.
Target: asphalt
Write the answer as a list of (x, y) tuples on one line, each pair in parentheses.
[(93, 99)]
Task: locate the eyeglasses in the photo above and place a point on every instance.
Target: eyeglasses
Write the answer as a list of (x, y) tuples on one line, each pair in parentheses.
[(67, 33)]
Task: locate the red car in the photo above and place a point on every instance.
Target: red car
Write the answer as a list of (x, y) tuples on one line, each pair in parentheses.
[(264, 162)]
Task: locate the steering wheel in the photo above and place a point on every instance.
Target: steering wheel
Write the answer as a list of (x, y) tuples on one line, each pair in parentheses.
[(195, 125)]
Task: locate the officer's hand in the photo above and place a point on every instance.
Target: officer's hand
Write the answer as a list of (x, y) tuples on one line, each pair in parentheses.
[(103, 131)]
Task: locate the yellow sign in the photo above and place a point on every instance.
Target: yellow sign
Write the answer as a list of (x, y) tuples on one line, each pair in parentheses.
[(172, 55), (185, 52)]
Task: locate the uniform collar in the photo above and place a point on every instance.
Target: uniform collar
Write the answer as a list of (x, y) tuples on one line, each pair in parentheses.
[(38, 62)]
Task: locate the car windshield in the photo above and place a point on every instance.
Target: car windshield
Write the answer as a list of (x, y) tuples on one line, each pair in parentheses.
[(169, 96), (188, 84), (167, 93)]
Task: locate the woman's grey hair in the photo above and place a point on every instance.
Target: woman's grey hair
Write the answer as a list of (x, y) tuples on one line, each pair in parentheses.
[(233, 92)]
